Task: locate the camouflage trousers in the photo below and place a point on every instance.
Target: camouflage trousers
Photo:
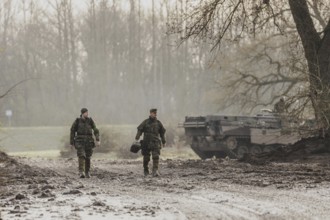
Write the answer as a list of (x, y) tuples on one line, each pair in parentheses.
[(85, 148), (151, 149)]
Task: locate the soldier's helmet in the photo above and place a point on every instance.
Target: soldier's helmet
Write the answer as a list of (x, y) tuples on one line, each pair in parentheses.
[(135, 147)]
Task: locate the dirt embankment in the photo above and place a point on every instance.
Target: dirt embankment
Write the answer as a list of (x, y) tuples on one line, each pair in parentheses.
[(290, 184), (310, 150)]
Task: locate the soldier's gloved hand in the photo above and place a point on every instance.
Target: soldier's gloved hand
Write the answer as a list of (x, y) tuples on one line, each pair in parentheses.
[(163, 145), (98, 143)]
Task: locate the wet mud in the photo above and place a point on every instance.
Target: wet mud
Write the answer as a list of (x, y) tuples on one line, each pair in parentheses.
[(257, 187)]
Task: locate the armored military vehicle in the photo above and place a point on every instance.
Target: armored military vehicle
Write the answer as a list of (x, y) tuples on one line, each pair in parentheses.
[(233, 136)]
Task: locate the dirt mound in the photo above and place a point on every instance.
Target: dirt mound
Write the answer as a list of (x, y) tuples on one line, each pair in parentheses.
[(313, 150), (4, 158), (13, 172)]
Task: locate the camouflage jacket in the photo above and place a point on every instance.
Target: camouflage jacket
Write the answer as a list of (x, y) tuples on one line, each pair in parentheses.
[(280, 107), (82, 128), (152, 129)]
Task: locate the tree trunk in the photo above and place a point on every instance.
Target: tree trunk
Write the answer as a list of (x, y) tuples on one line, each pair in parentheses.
[(153, 58), (317, 53)]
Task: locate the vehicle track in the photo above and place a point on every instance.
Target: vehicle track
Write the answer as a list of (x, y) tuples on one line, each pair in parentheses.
[(188, 189)]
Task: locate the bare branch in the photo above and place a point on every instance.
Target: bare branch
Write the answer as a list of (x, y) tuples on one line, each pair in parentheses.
[(13, 87), (317, 13)]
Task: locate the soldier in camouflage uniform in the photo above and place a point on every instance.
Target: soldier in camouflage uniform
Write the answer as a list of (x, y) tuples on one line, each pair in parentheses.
[(81, 137), (152, 129), (280, 106)]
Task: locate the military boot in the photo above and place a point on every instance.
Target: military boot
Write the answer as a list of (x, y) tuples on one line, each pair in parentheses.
[(155, 172), (146, 167), (88, 167), (81, 167)]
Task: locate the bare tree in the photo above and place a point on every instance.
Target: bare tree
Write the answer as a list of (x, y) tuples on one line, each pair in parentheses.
[(102, 56), (215, 19), (253, 74)]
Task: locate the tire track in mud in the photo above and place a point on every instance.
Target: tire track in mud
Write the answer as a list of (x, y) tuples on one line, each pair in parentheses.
[(92, 198), (186, 190), (227, 208), (184, 211), (247, 203)]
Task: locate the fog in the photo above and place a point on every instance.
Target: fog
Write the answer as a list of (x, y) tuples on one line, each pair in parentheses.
[(113, 58), (121, 58)]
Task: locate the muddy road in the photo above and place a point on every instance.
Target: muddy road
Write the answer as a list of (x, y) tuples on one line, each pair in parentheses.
[(38, 188)]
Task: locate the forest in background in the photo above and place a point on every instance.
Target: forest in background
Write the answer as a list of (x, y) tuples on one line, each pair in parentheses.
[(121, 58), (117, 61)]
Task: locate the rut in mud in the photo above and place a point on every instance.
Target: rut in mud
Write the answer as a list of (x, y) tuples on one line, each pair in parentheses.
[(37, 188)]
